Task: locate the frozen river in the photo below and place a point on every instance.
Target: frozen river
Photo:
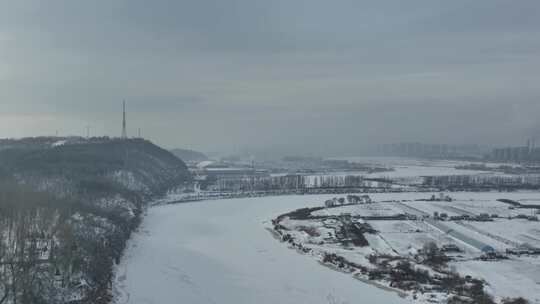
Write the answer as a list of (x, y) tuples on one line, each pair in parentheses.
[(219, 252)]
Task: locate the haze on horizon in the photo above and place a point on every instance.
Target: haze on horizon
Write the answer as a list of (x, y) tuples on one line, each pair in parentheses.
[(287, 75)]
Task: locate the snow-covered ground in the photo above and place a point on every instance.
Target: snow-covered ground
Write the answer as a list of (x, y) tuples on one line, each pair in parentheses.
[(379, 209), (220, 252), (517, 276), (410, 167)]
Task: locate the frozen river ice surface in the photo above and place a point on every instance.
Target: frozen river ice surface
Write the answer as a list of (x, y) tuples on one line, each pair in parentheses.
[(220, 252)]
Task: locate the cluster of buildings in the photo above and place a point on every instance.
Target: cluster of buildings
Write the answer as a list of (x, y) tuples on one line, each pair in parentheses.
[(529, 152), (238, 176), (531, 181), (524, 249), (416, 149), (483, 217)]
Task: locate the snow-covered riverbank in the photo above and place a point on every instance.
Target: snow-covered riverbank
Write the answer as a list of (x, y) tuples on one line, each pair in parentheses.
[(220, 252)]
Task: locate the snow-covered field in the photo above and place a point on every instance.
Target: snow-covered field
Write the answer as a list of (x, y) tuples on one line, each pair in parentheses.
[(509, 279), (379, 209), (517, 276), (408, 167), (220, 252), (406, 170)]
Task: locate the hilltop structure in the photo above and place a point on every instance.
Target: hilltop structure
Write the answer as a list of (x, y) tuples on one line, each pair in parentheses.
[(124, 132)]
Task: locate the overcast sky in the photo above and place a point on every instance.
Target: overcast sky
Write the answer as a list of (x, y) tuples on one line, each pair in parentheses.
[(319, 75)]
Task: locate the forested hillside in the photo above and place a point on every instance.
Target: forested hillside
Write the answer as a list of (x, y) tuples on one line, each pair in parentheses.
[(67, 210)]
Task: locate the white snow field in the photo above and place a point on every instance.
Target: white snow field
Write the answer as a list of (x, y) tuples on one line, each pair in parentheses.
[(220, 252)]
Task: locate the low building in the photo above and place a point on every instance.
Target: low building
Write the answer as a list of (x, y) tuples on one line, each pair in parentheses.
[(450, 248)]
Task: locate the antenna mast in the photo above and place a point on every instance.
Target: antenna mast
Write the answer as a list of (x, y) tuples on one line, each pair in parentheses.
[(124, 133)]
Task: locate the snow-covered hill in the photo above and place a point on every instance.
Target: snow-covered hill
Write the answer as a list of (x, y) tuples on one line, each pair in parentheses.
[(67, 210)]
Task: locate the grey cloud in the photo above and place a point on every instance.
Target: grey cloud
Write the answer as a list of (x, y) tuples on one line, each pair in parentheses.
[(324, 76)]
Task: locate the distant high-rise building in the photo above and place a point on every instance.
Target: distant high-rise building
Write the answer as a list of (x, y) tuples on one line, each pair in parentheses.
[(124, 132)]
